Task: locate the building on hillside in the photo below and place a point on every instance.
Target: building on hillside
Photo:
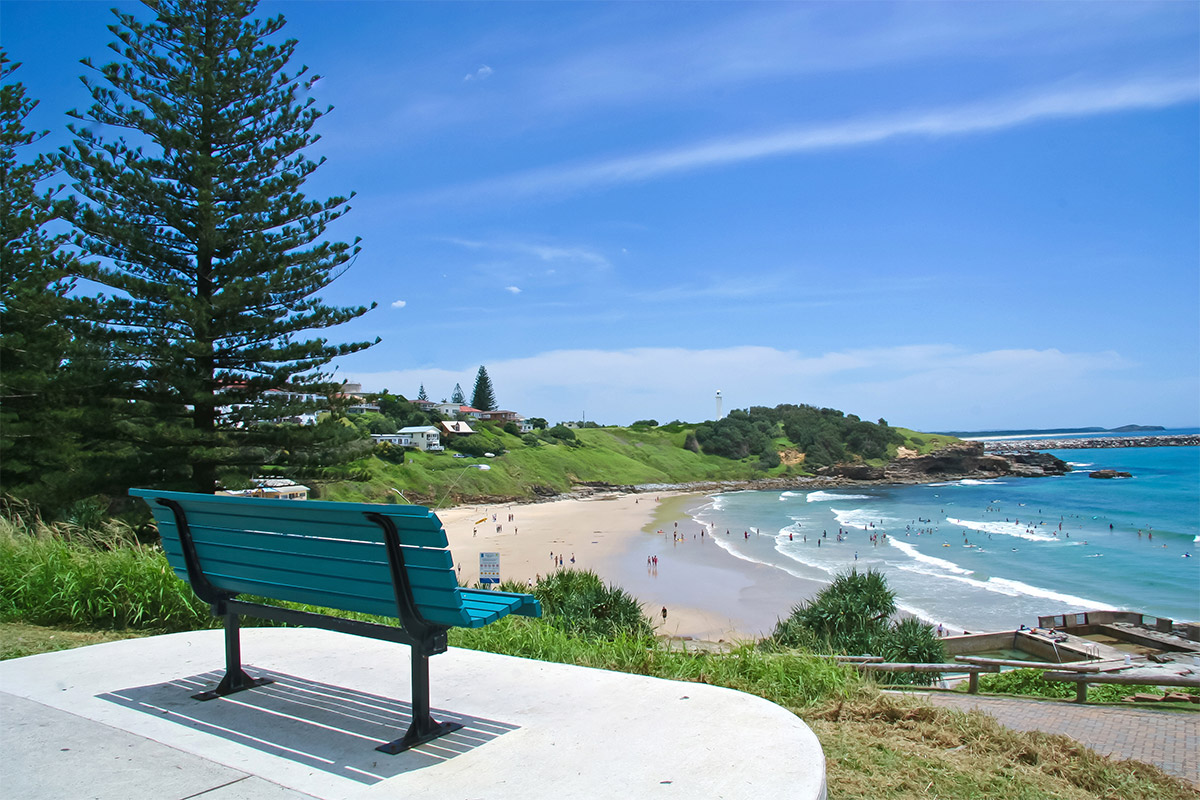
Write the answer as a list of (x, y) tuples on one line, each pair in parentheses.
[(278, 488), (500, 416), (457, 411), (362, 408), (456, 428), (422, 437)]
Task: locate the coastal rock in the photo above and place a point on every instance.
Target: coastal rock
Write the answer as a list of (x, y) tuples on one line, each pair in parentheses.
[(854, 472), (1036, 465), (1109, 473), (961, 458), (968, 460)]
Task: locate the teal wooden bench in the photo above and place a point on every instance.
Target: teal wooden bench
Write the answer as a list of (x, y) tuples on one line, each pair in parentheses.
[(390, 561)]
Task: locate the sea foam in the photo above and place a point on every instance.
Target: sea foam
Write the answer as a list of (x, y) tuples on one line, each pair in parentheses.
[(1019, 530), (820, 497), (912, 552), (860, 517)]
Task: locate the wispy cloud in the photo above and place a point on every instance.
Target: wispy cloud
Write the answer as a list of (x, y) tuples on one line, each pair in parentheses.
[(542, 252), (1061, 102), (399, 303), (481, 74), (513, 289)]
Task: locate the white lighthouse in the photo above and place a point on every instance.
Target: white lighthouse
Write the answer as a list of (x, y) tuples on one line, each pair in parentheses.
[(718, 404)]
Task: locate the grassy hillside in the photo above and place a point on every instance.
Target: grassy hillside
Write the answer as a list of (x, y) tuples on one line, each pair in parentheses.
[(921, 442), (616, 456)]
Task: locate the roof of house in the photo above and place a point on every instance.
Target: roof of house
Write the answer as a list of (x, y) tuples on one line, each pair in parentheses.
[(457, 427), (417, 429)]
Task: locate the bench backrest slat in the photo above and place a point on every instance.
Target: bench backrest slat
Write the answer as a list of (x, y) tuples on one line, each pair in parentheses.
[(314, 552)]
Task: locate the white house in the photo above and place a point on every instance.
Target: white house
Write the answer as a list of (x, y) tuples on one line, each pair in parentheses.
[(422, 437), (279, 488)]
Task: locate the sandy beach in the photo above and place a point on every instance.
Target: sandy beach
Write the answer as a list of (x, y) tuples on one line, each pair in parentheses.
[(708, 593)]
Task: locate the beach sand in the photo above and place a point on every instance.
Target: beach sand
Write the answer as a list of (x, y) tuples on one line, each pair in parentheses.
[(708, 593)]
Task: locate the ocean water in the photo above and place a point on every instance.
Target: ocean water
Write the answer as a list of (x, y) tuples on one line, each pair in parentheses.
[(991, 555)]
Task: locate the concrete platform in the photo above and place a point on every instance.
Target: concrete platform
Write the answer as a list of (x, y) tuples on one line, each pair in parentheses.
[(116, 720)]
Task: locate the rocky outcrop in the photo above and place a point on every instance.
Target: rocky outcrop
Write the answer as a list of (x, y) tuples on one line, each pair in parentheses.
[(956, 461), (854, 472), (1036, 465), (1108, 473)]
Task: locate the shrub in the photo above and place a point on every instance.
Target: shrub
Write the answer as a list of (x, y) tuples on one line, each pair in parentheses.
[(474, 445), (562, 433), (391, 453), (578, 602)]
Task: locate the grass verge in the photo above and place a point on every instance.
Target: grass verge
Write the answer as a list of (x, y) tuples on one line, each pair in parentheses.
[(893, 748)]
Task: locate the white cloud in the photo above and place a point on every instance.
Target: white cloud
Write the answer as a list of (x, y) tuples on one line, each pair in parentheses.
[(1058, 102), (513, 289), (932, 386), (399, 303), (481, 74)]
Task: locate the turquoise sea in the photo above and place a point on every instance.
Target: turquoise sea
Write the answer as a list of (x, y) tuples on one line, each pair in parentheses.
[(990, 555)]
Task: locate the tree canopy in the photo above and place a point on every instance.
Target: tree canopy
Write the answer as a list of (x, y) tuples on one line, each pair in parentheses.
[(483, 398), (49, 375), (213, 255), (825, 435)]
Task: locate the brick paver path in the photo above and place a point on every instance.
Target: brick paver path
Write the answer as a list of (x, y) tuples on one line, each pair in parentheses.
[(1169, 740)]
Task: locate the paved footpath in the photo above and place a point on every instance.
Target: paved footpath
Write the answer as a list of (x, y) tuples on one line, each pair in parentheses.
[(1169, 740)]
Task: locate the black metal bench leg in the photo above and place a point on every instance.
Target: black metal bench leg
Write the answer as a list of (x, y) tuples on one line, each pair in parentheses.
[(236, 679), (424, 728)]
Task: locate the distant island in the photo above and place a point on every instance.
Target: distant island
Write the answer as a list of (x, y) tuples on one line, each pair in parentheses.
[(1060, 431)]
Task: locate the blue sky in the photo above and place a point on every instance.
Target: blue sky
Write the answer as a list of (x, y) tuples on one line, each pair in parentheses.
[(951, 215)]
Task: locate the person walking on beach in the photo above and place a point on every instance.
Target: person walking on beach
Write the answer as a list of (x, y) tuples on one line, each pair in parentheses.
[(664, 614)]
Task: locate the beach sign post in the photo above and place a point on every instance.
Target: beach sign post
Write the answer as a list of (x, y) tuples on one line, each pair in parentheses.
[(489, 568)]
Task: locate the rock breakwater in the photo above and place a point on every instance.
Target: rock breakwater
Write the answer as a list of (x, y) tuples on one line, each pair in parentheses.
[(1023, 445)]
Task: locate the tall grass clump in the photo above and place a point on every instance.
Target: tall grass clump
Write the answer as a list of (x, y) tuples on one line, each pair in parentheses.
[(580, 603), (792, 680), (96, 576), (590, 624)]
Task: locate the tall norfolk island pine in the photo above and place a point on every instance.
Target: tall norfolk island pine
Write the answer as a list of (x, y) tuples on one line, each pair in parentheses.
[(202, 229), (33, 304), (483, 398)]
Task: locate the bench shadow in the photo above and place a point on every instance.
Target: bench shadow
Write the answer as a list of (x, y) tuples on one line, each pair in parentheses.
[(326, 727)]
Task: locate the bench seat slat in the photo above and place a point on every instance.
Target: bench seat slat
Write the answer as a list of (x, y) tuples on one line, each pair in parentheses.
[(277, 591), (267, 547), (428, 587), (301, 545), (309, 517), (432, 586), (371, 581)]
